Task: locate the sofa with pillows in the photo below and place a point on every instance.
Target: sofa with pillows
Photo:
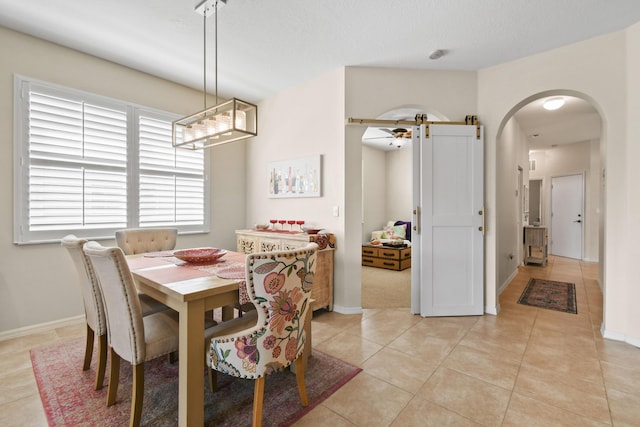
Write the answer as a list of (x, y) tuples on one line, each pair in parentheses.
[(394, 231)]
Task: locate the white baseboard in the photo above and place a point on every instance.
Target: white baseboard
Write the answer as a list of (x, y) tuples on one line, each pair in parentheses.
[(619, 337), (347, 310), (504, 284), (492, 310), (41, 327)]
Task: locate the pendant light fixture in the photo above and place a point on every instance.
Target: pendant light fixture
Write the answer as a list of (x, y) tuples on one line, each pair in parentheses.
[(225, 122)]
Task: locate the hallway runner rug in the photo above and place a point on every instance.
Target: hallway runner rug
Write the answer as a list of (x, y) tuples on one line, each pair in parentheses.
[(559, 296), (69, 399)]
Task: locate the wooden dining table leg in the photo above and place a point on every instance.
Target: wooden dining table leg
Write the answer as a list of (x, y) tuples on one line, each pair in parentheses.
[(191, 364)]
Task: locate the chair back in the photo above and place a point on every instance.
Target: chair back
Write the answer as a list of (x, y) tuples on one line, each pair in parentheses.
[(91, 296), (122, 306), (140, 240), (279, 286)]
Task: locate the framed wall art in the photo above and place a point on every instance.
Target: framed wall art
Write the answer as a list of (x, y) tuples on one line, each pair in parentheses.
[(295, 178)]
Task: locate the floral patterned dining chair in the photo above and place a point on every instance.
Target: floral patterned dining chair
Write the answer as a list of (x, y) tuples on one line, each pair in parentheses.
[(272, 337)]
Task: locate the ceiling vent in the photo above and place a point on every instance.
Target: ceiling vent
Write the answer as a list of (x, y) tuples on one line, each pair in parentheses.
[(532, 165)]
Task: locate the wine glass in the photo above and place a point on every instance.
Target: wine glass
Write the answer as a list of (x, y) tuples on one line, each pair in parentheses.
[(291, 222), (273, 223), (282, 222), (300, 223)]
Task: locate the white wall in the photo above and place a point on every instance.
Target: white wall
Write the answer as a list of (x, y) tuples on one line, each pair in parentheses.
[(513, 153), (399, 184), (374, 191), (37, 282), (604, 79), (386, 188), (570, 159)]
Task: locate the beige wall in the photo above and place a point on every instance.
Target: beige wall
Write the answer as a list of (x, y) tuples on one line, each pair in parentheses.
[(303, 121), (370, 92), (602, 79), (37, 282), (309, 119), (630, 325)]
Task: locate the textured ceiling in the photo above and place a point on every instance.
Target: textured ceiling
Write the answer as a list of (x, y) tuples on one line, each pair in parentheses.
[(266, 46)]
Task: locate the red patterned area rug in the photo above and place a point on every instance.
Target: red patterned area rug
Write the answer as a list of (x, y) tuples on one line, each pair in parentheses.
[(69, 399), (559, 296)]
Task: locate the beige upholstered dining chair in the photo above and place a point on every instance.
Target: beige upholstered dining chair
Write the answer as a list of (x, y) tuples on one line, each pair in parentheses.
[(140, 240), (271, 337), (131, 336), (94, 306)]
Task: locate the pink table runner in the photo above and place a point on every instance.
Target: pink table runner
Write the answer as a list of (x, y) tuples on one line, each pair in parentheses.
[(230, 266)]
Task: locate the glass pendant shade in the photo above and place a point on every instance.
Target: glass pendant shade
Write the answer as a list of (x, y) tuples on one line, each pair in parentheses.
[(229, 121)]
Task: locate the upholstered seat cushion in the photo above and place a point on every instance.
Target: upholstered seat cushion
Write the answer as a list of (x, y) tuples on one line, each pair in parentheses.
[(160, 333), (231, 327)]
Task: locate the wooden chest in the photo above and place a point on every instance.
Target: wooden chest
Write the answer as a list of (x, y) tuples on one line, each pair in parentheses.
[(386, 257)]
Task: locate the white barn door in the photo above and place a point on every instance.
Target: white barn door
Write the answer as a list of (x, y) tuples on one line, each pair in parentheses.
[(448, 192)]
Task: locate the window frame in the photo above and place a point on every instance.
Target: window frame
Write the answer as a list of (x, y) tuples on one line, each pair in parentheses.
[(21, 162)]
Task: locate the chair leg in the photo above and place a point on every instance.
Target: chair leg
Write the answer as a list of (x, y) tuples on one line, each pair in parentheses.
[(258, 396), (114, 377), (213, 379), (88, 349), (137, 395), (302, 388), (102, 361)]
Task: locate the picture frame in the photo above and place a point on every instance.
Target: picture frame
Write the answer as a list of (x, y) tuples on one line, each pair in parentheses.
[(301, 177)]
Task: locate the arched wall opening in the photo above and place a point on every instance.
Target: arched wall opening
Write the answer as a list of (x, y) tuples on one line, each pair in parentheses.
[(387, 192), (512, 152)]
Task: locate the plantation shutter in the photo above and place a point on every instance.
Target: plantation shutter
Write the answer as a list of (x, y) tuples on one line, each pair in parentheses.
[(171, 180), (90, 165), (77, 177)]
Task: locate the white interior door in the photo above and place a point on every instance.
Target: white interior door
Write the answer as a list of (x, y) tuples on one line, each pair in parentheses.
[(449, 243), (567, 215)]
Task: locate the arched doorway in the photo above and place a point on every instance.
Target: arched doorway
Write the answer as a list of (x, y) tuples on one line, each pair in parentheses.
[(547, 144), (387, 197)]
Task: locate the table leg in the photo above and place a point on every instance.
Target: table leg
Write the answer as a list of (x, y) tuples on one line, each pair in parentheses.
[(227, 312), (191, 365)]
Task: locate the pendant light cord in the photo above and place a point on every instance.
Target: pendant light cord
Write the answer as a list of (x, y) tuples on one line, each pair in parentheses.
[(204, 48), (216, 50), (204, 44)]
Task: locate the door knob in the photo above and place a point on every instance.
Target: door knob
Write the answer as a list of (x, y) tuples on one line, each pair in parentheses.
[(577, 220)]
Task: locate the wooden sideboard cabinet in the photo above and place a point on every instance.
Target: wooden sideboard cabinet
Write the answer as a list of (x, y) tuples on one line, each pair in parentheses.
[(386, 257), (535, 245), (252, 241)]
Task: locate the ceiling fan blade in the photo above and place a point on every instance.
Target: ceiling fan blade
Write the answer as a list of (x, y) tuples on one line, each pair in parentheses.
[(378, 137)]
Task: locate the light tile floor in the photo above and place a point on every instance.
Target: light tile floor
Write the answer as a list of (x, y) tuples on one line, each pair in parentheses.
[(524, 367)]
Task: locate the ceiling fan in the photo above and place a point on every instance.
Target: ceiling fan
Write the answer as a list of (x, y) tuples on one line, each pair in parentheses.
[(396, 136)]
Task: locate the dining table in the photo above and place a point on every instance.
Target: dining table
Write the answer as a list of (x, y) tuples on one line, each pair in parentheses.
[(191, 289)]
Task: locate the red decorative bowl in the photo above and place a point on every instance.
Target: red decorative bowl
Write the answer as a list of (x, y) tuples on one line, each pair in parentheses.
[(312, 230), (200, 255)]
